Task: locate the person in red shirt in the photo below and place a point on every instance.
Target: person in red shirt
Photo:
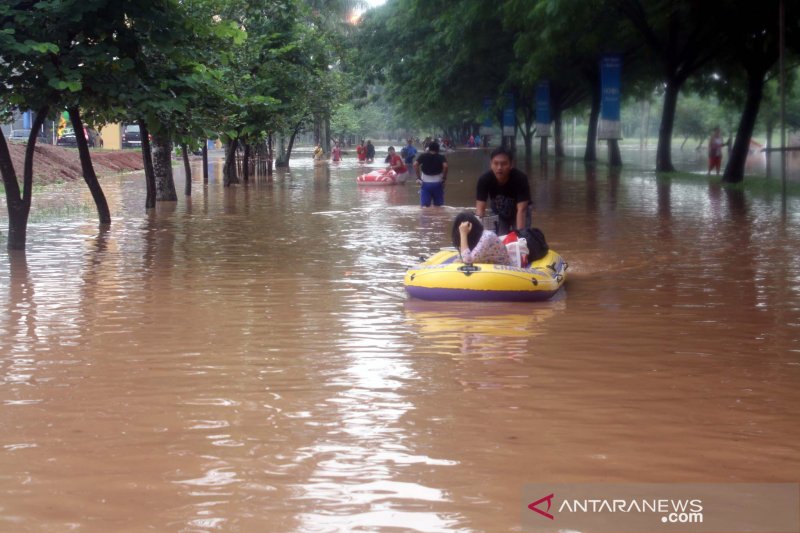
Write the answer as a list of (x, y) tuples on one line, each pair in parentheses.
[(396, 163), (361, 152), (715, 144)]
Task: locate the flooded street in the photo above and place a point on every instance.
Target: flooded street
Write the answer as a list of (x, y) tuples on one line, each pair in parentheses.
[(247, 360)]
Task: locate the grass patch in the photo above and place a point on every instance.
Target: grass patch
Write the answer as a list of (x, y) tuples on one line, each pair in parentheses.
[(750, 184), (37, 185)]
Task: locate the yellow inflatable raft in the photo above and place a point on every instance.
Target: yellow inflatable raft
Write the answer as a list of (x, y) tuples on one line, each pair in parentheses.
[(445, 277)]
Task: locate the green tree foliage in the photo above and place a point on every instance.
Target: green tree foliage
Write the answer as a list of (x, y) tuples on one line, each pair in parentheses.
[(695, 117), (181, 69)]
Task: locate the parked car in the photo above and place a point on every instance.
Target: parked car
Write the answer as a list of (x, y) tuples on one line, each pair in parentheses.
[(67, 138), (131, 136)]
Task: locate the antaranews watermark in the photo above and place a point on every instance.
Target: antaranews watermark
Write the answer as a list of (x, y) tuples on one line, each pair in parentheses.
[(657, 508)]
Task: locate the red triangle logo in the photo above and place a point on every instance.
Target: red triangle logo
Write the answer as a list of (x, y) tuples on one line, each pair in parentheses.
[(544, 513)]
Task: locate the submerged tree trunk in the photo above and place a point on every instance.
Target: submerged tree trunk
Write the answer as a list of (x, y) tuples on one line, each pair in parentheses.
[(527, 139), (270, 156), (770, 127), (246, 163), (205, 162), (590, 154), (18, 207), (558, 133), (614, 155), (147, 160), (187, 169), (162, 167), (734, 170), (527, 128), (229, 176), (664, 150), (326, 146), (289, 147), (19, 202), (89, 175)]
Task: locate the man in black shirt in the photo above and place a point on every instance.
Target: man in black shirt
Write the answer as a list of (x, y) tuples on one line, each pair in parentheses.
[(431, 170), (508, 190)]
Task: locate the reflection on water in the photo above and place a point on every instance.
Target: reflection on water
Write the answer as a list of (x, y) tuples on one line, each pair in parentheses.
[(247, 360), (480, 331)]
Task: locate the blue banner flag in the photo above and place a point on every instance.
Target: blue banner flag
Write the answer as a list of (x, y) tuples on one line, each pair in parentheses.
[(610, 126), (509, 117), (488, 103), (543, 109)]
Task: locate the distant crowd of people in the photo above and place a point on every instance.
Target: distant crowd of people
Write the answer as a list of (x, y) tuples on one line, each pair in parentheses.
[(503, 191)]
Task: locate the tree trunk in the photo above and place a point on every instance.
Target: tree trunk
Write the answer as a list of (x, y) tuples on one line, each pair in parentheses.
[(767, 154), (734, 170), (18, 209), (246, 163), (558, 131), (527, 139), (664, 149), (317, 129), (89, 175), (528, 129), (270, 157), (685, 139), (162, 167), (147, 160), (19, 202), (590, 155), (327, 140), (543, 148), (614, 155), (229, 176), (187, 169), (205, 162), (291, 144)]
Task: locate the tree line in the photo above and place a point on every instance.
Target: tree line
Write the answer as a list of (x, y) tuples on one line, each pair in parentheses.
[(255, 73), (243, 71), (438, 61)]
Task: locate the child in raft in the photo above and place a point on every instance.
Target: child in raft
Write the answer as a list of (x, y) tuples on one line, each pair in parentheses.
[(476, 244)]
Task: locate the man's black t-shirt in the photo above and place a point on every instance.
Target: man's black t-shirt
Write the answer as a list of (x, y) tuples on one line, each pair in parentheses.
[(431, 163), (504, 198)]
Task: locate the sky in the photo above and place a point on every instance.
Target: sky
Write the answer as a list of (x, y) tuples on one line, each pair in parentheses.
[(370, 4)]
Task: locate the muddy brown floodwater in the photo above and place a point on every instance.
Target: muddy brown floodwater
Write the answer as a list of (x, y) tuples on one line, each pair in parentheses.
[(247, 360)]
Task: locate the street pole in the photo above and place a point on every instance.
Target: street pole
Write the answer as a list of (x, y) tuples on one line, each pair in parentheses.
[(782, 83)]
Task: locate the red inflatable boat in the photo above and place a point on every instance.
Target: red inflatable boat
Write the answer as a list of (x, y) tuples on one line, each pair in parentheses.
[(378, 177)]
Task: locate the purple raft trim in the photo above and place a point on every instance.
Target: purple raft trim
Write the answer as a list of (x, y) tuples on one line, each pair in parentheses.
[(426, 293)]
